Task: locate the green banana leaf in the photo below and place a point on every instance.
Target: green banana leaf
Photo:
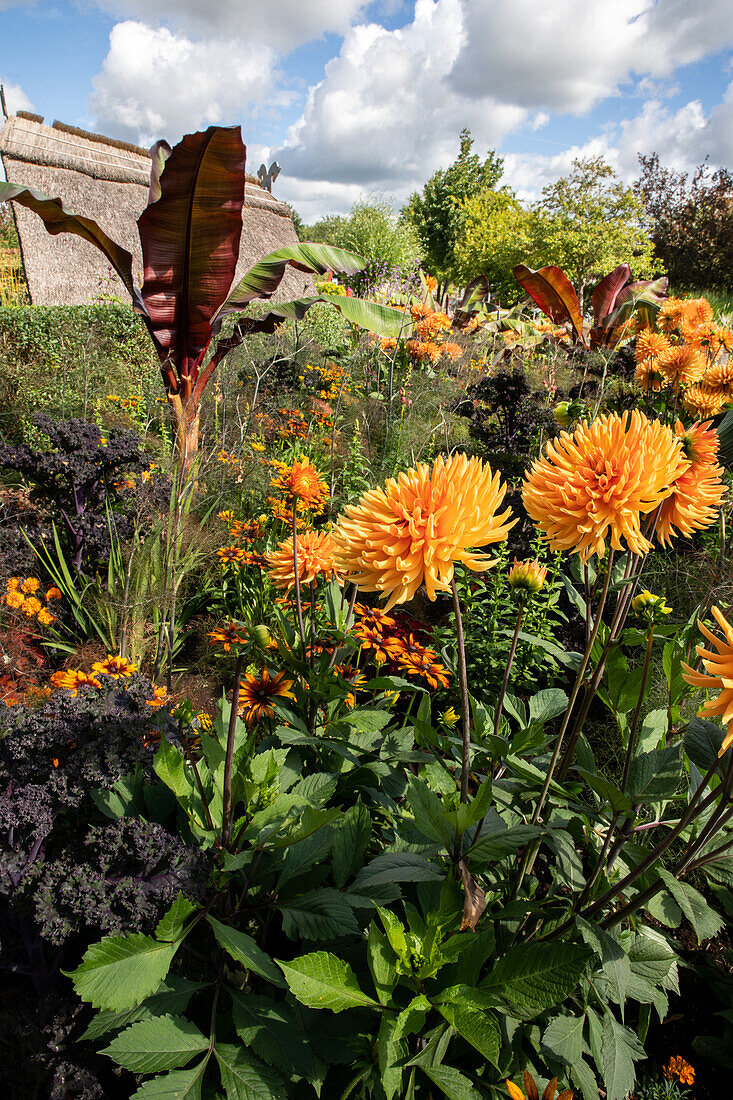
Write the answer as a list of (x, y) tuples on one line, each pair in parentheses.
[(376, 318)]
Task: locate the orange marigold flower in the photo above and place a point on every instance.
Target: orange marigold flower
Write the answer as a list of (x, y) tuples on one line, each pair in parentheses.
[(648, 376), (45, 617), (257, 692), (679, 1068), (719, 376), (54, 593), (671, 315), (13, 584), (15, 599), (30, 585), (114, 665), (718, 674), (598, 482), (315, 558), (702, 401), (532, 1092), (698, 491), (31, 606), (682, 364), (650, 345), (420, 311), (74, 678), (424, 521), (527, 576), (423, 350), (229, 635), (301, 483)]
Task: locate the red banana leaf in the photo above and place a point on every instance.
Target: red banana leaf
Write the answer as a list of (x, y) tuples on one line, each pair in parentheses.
[(474, 295), (190, 242), (554, 294), (607, 291), (59, 219)]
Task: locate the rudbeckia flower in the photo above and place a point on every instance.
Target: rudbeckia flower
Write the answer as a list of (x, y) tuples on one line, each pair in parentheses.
[(115, 666), (597, 483), (415, 529), (532, 1093), (257, 692)]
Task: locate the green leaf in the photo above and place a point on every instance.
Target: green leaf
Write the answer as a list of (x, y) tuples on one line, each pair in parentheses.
[(547, 704), (606, 790), (468, 813), (489, 849), (120, 971), (274, 1032), (563, 1037), (245, 950), (171, 997), (652, 958), (381, 959), (163, 1042), (397, 867), (411, 1019), (583, 1076), (350, 842), (170, 767), (320, 980), (655, 775), (453, 1083), (244, 1077), (703, 741), (321, 914), (430, 815), (531, 978), (391, 1051), (477, 1027), (614, 960), (263, 279), (170, 927), (704, 920), (182, 1084), (621, 1049), (653, 731), (368, 720), (305, 854), (316, 788)]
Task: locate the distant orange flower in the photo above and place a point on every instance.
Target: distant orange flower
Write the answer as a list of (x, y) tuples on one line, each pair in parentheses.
[(74, 678), (14, 599), (231, 555), (160, 698), (31, 606), (315, 558), (371, 637), (718, 674), (703, 401), (597, 483), (648, 376), (119, 668), (679, 1068), (54, 593), (30, 585), (698, 491), (424, 521), (374, 617), (257, 692), (453, 351), (45, 617), (13, 584)]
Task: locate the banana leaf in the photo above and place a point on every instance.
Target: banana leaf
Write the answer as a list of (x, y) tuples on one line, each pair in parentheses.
[(554, 294), (382, 320), (59, 219)]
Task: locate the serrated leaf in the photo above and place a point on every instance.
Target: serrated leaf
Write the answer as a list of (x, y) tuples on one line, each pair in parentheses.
[(652, 958), (305, 854), (531, 978), (606, 790), (182, 1084), (274, 1033), (655, 775), (350, 841), (614, 960), (170, 767), (563, 1037), (320, 980), (397, 867), (453, 1083), (321, 914), (161, 1043), (316, 788), (244, 1077), (245, 950), (478, 1027), (703, 741), (170, 926), (704, 920), (620, 1050), (547, 704), (391, 1051), (430, 815), (120, 971), (381, 959), (583, 1076), (489, 849), (171, 996)]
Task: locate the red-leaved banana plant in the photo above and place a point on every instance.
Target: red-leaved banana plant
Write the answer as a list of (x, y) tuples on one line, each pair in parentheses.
[(190, 233)]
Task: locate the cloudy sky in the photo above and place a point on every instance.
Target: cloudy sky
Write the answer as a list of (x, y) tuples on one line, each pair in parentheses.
[(361, 96)]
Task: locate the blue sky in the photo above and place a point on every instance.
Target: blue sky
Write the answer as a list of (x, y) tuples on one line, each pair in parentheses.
[(362, 96)]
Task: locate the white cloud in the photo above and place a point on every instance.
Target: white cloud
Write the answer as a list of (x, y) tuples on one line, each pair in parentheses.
[(15, 98), (155, 83), (278, 24)]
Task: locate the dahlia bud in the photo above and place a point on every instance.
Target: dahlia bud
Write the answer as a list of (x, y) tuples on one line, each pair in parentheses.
[(562, 415), (650, 607), (527, 576), (261, 635)]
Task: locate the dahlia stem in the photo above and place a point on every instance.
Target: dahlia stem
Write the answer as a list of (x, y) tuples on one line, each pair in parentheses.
[(465, 705), (226, 812), (296, 576), (507, 671)]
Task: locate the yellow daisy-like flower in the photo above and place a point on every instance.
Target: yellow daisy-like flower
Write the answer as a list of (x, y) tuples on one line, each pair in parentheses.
[(702, 401), (648, 376), (527, 576), (119, 668), (650, 345), (30, 585), (257, 692), (532, 1092), (682, 364), (698, 491), (599, 482), (424, 521), (74, 678), (315, 558), (718, 674), (160, 698)]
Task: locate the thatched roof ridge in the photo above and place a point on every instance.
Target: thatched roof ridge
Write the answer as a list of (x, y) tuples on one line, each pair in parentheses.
[(90, 136), (109, 182)]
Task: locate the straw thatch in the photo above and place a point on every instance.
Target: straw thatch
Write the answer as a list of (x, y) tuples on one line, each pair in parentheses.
[(108, 181)]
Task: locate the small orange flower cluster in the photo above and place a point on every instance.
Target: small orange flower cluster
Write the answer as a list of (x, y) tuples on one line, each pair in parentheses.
[(240, 531), (428, 343), (328, 379), (678, 1068), (415, 659), (684, 354), (114, 666), (26, 596), (12, 695), (131, 403), (378, 632)]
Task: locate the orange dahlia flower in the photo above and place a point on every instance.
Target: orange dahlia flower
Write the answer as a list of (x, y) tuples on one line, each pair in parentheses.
[(703, 401), (718, 674), (300, 482), (648, 376), (671, 315), (697, 311), (697, 492), (415, 529), (315, 558), (682, 364), (598, 482), (720, 376), (650, 345)]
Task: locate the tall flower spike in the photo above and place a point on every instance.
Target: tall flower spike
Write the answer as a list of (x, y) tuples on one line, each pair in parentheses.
[(415, 529), (597, 483), (718, 674)]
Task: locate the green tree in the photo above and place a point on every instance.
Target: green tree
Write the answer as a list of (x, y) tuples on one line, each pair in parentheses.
[(588, 222), (437, 212), (496, 234)]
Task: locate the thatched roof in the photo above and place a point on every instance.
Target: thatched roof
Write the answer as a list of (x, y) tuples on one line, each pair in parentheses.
[(108, 180)]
